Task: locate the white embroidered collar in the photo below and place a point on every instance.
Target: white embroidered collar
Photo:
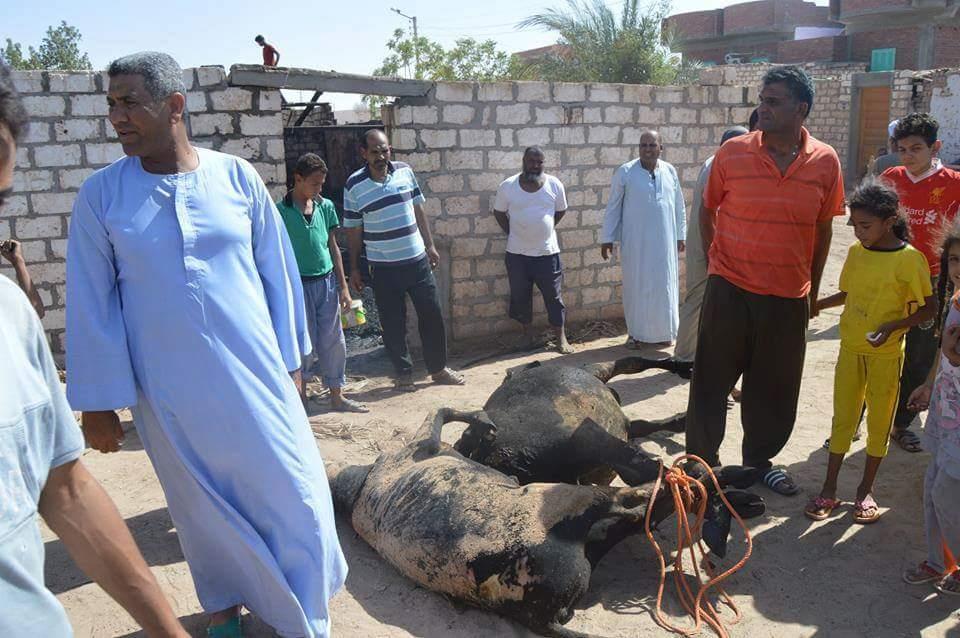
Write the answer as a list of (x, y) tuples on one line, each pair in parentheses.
[(935, 166)]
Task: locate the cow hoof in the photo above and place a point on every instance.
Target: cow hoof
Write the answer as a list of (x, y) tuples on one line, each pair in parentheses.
[(746, 504)]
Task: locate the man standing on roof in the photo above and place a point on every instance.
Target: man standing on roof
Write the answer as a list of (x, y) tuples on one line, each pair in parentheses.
[(271, 57)]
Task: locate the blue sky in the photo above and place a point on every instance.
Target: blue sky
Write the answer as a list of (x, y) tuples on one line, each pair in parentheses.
[(340, 36)]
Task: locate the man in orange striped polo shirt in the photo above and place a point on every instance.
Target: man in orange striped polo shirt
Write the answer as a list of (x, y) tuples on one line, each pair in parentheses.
[(770, 200)]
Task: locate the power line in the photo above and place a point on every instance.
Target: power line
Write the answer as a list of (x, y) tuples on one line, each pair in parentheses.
[(475, 36)]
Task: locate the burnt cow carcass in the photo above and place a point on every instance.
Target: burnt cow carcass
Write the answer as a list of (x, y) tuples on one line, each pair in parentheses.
[(564, 424), (472, 533)]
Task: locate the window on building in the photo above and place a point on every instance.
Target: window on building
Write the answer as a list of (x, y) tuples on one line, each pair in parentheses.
[(883, 59)]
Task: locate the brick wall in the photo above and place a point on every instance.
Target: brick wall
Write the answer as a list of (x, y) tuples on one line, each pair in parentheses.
[(805, 14), (907, 94), (706, 55), (851, 7), (746, 17), (830, 119), (696, 25), (946, 47), (828, 49), (463, 139), (904, 40), (70, 137)]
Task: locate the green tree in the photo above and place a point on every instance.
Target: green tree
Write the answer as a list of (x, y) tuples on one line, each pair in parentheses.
[(596, 47), (423, 59), (59, 50)]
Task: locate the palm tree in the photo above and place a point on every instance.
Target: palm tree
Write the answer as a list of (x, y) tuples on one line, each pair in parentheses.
[(596, 47)]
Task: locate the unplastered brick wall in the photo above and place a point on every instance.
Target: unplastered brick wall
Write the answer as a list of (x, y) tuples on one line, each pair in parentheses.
[(912, 91), (463, 139), (829, 120), (69, 138)]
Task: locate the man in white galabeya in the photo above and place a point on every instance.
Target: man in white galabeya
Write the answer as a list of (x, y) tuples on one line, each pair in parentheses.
[(647, 216), (186, 304)]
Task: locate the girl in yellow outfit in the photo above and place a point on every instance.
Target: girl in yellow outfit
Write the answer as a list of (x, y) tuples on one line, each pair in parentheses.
[(885, 289)]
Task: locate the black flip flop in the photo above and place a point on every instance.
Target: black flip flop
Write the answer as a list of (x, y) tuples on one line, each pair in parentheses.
[(780, 482)]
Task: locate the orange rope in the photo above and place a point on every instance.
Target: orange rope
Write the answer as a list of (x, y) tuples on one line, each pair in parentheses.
[(686, 491), (949, 562)]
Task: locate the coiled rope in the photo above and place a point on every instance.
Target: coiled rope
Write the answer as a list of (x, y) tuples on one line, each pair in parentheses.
[(686, 492)]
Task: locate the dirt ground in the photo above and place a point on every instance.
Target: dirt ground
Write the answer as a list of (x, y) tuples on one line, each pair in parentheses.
[(830, 579)]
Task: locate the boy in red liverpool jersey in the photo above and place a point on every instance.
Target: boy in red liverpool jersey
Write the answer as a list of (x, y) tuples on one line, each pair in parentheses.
[(929, 194)]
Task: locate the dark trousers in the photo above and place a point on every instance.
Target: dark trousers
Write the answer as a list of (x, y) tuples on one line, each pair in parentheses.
[(391, 285), (763, 338), (523, 272), (919, 355)]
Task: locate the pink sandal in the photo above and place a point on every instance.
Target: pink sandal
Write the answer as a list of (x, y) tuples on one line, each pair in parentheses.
[(821, 508), (866, 511)]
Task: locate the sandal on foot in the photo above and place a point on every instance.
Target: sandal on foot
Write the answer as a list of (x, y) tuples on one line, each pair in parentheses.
[(866, 511), (633, 344), (950, 585), (404, 383), (907, 440), (349, 405), (229, 629), (922, 574), (820, 508), (448, 377), (780, 482)]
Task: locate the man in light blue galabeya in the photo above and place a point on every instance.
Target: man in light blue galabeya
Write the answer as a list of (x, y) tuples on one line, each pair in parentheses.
[(186, 304), (41, 471)]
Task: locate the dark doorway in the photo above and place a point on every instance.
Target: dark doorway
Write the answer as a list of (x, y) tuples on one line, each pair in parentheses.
[(339, 146)]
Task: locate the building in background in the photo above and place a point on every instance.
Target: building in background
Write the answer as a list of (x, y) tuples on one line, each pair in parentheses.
[(748, 31), (885, 34)]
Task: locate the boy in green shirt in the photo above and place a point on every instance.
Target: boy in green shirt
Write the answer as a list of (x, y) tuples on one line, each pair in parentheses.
[(310, 220)]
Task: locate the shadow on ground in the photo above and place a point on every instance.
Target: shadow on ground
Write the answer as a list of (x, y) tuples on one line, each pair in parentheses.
[(153, 532)]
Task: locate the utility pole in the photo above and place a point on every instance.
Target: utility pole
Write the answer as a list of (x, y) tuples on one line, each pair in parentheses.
[(416, 43)]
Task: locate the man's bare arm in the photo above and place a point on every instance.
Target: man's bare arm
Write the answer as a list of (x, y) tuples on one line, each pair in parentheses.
[(706, 217), (503, 219), (102, 430), (81, 513), (821, 248), (557, 216), (337, 259), (424, 226), (11, 251), (355, 246)]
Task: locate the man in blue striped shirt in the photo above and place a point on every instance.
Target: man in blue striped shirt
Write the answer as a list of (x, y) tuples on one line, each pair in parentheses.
[(383, 211)]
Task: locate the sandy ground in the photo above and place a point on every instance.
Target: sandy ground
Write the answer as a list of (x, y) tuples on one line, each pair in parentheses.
[(829, 579)]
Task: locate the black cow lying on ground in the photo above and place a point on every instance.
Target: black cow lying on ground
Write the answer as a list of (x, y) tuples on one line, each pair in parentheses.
[(563, 424)]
